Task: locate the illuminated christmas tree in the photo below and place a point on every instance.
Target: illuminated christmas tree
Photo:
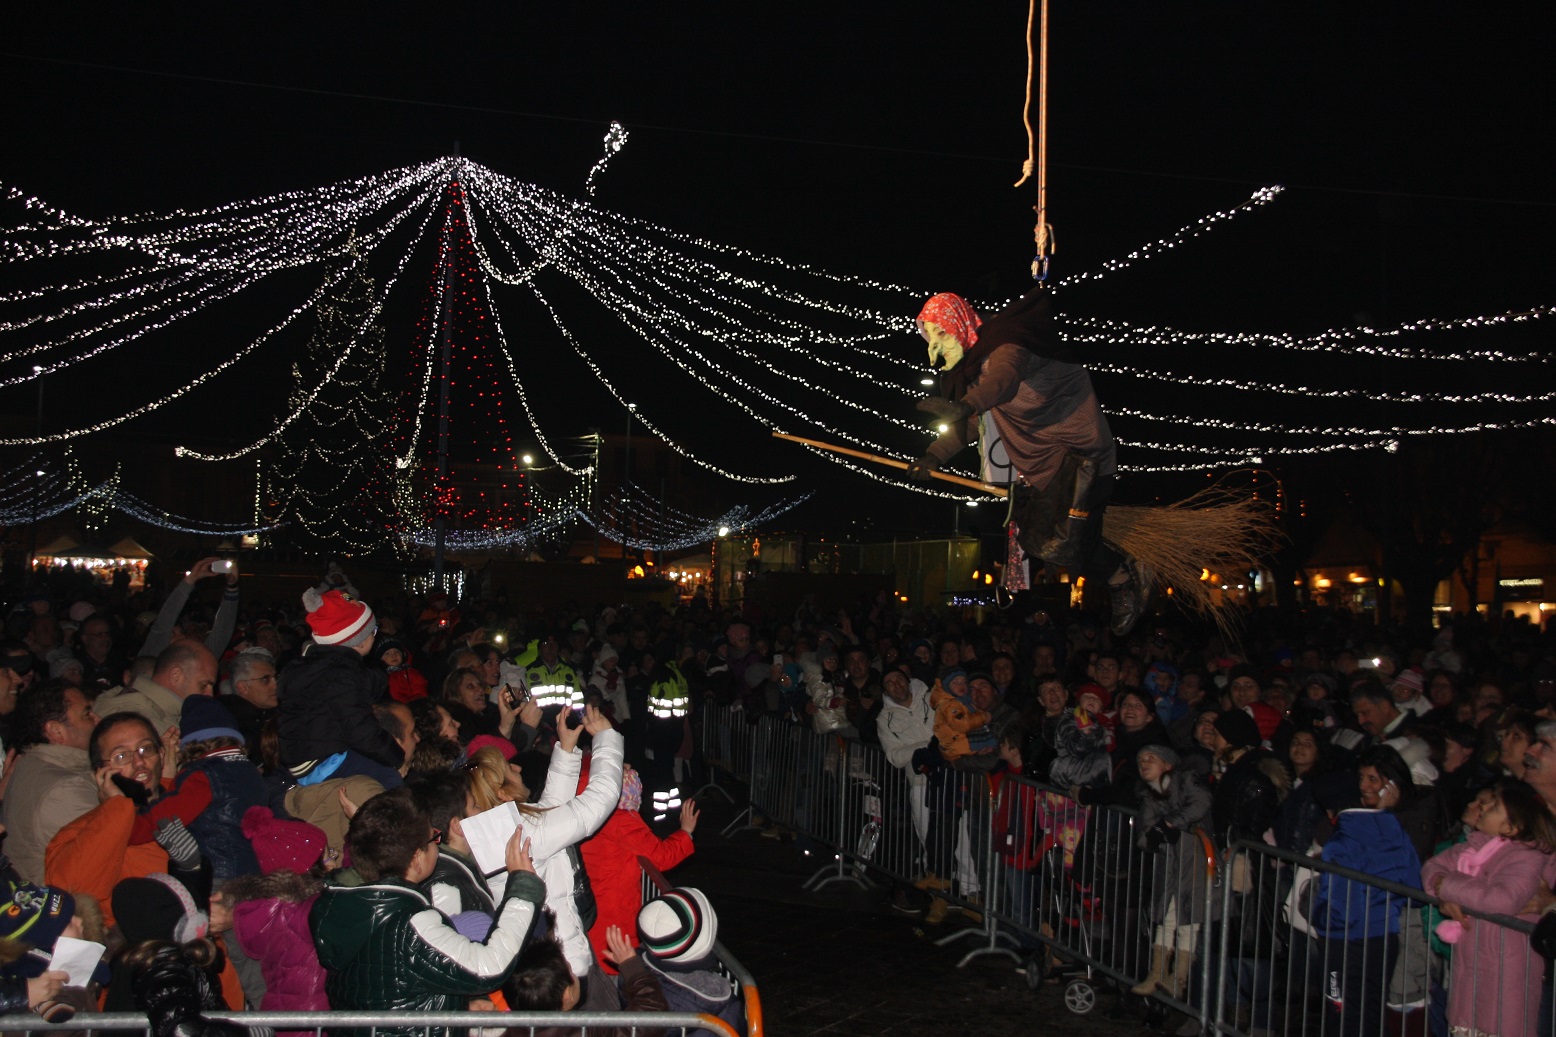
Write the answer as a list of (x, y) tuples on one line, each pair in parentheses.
[(332, 480), (452, 439)]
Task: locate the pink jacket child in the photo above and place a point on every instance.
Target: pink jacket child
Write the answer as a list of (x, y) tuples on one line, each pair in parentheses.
[(1494, 988), (270, 912)]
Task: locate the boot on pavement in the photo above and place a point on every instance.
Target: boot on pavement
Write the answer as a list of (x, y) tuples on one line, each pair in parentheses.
[(1157, 977)]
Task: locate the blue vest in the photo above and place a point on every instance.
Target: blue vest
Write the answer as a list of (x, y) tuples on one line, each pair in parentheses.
[(236, 785)]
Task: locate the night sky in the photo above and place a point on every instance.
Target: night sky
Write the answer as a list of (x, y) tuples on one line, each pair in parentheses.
[(877, 140)]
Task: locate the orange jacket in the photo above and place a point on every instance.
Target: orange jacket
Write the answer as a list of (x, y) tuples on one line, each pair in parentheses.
[(953, 720), (92, 853)]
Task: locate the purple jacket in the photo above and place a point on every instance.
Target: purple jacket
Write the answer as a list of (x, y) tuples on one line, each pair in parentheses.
[(274, 932)]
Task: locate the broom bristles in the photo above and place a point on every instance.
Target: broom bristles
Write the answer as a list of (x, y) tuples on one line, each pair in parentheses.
[(1216, 529)]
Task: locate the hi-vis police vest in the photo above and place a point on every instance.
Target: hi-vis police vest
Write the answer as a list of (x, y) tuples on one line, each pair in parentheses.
[(669, 697), (558, 687)]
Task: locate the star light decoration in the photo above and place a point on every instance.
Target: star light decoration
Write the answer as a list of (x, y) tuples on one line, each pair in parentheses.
[(759, 341)]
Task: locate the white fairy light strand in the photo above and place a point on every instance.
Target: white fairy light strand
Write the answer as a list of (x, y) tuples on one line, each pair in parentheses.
[(615, 140), (1348, 341), (1204, 225)]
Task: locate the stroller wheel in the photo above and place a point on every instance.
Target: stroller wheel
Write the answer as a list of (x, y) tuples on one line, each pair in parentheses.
[(1080, 996), (1155, 1013), (1036, 970)]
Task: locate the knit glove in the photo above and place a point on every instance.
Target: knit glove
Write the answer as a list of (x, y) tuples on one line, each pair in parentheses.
[(180, 845)]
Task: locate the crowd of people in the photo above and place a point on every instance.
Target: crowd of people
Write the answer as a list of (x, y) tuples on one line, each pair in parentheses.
[(313, 805), (268, 804)]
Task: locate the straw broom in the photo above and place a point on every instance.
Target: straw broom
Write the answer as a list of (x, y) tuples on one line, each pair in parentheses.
[(1215, 529)]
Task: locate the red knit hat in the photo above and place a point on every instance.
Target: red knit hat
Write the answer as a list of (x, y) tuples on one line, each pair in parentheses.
[(336, 618), (1097, 690)]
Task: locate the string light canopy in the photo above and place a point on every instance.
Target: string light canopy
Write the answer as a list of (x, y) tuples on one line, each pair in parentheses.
[(749, 341)]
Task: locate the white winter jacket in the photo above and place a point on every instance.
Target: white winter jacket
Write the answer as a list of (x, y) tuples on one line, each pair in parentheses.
[(904, 729), (567, 817)]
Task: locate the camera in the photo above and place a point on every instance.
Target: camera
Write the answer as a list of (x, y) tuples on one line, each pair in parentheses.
[(223, 565)]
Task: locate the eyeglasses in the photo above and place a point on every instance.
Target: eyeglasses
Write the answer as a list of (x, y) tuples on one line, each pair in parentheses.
[(437, 837), (144, 751)]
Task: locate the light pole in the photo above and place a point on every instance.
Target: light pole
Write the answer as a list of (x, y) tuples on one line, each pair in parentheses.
[(626, 475)]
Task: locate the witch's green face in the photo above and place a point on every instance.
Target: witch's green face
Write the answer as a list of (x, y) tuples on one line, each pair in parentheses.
[(945, 352)]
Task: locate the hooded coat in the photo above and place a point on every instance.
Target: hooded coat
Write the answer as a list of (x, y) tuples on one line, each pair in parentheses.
[(270, 923), (906, 729), (1372, 841)]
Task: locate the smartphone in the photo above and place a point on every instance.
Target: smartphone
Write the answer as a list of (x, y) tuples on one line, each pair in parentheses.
[(1367, 664), (778, 659), (222, 565), (513, 699)]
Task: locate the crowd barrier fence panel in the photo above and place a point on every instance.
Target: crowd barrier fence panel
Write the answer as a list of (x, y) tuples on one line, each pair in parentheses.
[(1311, 948), (655, 883), (368, 1024), (724, 744)]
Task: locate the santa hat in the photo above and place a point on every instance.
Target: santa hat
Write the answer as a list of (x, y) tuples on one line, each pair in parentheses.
[(678, 926), (1411, 680), (336, 618), (279, 844)]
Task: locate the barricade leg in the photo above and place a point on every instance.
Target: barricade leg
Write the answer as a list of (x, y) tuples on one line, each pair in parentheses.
[(849, 817)]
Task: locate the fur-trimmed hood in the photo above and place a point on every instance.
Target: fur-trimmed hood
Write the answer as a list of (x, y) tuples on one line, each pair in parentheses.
[(283, 885)]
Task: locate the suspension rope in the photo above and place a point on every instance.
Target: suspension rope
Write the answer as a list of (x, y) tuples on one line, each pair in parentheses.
[(1037, 148)]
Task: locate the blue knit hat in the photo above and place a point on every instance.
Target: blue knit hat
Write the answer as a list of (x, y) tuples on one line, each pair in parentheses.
[(203, 717)]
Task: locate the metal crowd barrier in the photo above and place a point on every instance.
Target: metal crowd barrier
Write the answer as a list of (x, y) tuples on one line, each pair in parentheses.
[(1093, 906), (423, 1024), (655, 883), (1311, 948)]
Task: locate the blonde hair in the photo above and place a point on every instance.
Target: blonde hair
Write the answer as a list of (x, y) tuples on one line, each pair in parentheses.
[(490, 782)]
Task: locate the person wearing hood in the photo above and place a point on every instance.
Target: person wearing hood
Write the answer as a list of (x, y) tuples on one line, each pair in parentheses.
[(406, 682), (955, 717), (906, 724), (1012, 380)]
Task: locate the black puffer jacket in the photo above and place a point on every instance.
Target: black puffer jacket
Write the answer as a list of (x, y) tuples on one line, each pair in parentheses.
[(385, 948), (174, 991), (1248, 795), (327, 700)]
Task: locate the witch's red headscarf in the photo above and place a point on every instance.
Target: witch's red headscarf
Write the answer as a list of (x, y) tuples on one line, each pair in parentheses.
[(951, 314)]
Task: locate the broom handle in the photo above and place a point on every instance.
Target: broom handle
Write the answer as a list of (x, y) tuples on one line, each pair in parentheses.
[(972, 484)]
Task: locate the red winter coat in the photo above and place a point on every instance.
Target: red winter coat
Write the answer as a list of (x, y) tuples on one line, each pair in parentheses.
[(610, 857), (407, 684), (1018, 832)]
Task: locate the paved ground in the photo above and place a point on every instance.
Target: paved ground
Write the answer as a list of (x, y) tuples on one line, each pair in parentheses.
[(841, 961)]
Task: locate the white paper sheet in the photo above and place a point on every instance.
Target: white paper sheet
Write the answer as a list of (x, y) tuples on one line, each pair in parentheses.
[(488, 833), (76, 957)]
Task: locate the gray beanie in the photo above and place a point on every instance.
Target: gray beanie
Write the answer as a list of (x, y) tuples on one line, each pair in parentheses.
[(1166, 753)]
